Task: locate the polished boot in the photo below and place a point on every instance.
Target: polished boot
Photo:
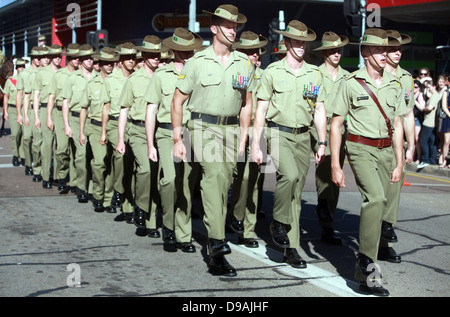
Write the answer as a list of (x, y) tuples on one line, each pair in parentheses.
[(248, 242), (139, 217), (328, 236), (81, 196), (116, 200), (62, 187), (168, 235), (279, 233), (186, 247), (111, 210), (98, 205), (153, 233), (369, 280), (387, 232), (37, 178), (292, 257), (15, 161), (28, 171), (237, 226), (218, 265), (46, 185), (388, 254), (218, 247)]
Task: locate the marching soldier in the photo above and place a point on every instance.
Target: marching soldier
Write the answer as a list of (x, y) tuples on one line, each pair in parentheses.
[(10, 113), (23, 99), (72, 94), (134, 108), (176, 227), (55, 122), (92, 109), (219, 83), (122, 165), (289, 117), (388, 236), (247, 174), (41, 93), (327, 191), (373, 102)]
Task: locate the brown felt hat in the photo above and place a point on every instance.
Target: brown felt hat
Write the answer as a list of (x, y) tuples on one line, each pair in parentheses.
[(331, 40), (402, 38), (377, 37), (107, 54), (228, 12), (298, 31), (151, 44), (183, 40)]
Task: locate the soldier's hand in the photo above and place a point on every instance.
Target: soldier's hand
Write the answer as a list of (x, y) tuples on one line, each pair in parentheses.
[(27, 122), (396, 175), (179, 150), (37, 123), (153, 154), (5, 115), (320, 155), (68, 131), (120, 147), (82, 139), (19, 119), (257, 155), (50, 123), (338, 177), (409, 155), (103, 139)]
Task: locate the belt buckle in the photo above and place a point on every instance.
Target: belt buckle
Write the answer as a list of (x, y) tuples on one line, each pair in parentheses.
[(295, 130), (380, 143)]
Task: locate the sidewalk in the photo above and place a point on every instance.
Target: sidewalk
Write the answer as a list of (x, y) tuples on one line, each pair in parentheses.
[(429, 170)]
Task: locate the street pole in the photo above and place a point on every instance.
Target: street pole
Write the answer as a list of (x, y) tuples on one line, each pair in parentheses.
[(363, 29)]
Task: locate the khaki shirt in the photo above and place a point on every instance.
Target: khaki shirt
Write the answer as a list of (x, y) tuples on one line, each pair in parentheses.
[(57, 84), (74, 88), (210, 84), (133, 92), (331, 87), (27, 85), (363, 116), (11, 90), (92, 98), (112, 89), (408, 86), (161, 90), (257, 85), (41, 82), (285, 92)]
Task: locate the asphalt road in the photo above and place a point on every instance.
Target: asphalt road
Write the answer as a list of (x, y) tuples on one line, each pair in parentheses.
[(53, 246)]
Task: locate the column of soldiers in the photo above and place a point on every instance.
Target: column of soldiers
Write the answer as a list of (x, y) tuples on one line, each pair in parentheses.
[(140, 133)]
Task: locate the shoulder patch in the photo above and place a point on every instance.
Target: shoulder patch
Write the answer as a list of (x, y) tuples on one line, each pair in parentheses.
[(182, 76)]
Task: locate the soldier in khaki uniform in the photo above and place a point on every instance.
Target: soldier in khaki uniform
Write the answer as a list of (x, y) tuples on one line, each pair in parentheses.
[(248, 174), (72, 94), (92, 109), (23, 99), (10, 113), (289, 117), (30, 116), (388, 236), (122, 165), (327, 191), (41, 92), (55, 121), (134, 108), (219, 83), (373, 145), (176, 227)]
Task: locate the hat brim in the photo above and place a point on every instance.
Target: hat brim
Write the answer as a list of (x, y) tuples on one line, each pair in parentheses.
[(406, 39), (142, 49), (169, 43), (102, 59), (262, 42), (392, 41), (240, 20), (310, 36), (344, 41)]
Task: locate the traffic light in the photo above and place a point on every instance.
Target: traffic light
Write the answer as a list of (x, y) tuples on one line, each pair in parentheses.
[(274, 37), (97, 39), (352, 13)]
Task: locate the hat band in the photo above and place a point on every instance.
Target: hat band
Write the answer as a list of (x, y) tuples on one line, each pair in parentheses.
[(371, 39), (296, 32), (86, 52), (54, 52), (247, 42), (226, 15), (331, 43), (151, 46), (182, 41), (106, 55), (129, 51)]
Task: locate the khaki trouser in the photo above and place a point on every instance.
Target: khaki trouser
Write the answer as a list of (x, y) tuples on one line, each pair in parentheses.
[(146, 186), (215, 149), (16, 132), (80, 154), (27, 139), (48, 137), (61, 156), (291, 156), (372, 168), (102, 178)]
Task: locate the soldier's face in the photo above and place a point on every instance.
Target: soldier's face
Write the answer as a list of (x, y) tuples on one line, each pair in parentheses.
[(333, 56), (87, 62), (296, 48), (394, 54), (252, 54), (44, 61), (56, 60), (107, 67), (75, 62), (225, 31), (128, 61), (375, 56), (151, 59)]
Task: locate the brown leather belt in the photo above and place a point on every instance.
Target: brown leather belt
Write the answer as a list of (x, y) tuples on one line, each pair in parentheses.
[(378, 143)]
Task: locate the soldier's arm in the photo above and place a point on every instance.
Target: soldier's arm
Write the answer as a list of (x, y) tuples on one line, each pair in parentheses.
[(50, 106), (338, 176), (150, 122), (398, 150), (176, 113), (105, 118), (37, 121), (83, 116), (26, 106), (258, 127), (409, 127), (65, 114), (320, 122), (19, 98), (245, 118)]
